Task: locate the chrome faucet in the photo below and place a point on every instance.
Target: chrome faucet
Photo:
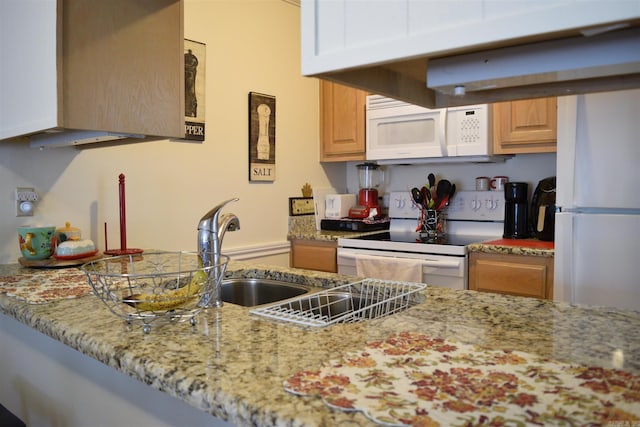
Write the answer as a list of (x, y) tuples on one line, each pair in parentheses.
[(211, 229)]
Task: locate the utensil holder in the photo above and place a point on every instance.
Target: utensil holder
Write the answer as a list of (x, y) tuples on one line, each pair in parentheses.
[(433, 223)]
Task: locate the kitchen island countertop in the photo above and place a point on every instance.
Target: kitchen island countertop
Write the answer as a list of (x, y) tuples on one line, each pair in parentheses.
[(232, 365)]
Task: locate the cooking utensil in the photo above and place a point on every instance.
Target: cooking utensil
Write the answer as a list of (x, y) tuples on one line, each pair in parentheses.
[(432, 180), (417, 196), (452, 192), (443, 202), (443, 188), (432, 186), (429, 202), (426, 197)]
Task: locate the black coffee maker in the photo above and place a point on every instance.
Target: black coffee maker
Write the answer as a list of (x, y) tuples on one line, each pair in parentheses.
[(516, 225), (543, 209)]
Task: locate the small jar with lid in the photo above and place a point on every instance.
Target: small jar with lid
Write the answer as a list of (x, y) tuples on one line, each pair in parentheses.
[(68, 233)]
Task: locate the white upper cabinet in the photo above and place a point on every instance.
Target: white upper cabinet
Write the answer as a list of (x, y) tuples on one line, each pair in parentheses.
[(28, 87), (388, 46), (107, 65)]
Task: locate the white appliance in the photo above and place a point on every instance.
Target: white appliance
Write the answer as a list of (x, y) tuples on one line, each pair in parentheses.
[(597, 227), (338, 205), (397, 131), (472, 217), (319, 203)]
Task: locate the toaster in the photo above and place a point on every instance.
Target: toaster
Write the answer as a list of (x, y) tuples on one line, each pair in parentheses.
[(338, 205)]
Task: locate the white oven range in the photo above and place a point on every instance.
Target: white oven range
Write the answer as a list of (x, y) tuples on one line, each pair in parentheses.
[(472, 217)]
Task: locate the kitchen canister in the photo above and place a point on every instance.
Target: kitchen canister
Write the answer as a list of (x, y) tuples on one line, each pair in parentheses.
[(432, 224), (482, 183), (497, 183)]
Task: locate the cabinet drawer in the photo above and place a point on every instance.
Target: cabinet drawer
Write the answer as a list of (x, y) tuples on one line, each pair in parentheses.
[(529, 276), (314, 255)]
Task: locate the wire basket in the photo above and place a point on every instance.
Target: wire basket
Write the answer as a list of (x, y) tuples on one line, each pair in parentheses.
[(147, 287), (364, 300)]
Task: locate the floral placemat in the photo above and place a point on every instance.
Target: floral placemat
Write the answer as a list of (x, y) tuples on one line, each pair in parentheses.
[(412, 379), (42, 286)]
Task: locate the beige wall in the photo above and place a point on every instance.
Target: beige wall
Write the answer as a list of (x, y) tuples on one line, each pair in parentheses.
[(251, 46)]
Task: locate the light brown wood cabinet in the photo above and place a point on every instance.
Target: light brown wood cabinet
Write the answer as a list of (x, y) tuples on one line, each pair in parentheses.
[(342, 123), (314, 255), (523, 275), (525, 126), (109, 65)]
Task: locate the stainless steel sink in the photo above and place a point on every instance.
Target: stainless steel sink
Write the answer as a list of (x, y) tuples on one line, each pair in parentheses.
[(250, 292)]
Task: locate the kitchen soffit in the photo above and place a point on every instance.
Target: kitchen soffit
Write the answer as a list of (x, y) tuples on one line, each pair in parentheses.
[(407, 79)]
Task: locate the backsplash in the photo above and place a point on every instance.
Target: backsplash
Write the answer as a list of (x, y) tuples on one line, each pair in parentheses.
[(302, 224), (529, 168)]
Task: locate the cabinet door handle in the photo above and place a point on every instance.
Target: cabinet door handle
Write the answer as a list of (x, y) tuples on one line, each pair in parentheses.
[(441, 264)]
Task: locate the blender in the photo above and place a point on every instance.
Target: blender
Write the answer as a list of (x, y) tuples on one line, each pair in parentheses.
[(370, 177)]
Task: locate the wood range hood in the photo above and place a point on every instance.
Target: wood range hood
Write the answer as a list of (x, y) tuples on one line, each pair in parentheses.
[(602, 59)]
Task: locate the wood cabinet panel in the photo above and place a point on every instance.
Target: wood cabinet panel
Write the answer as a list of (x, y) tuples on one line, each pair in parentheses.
[(521, 275), (342, 122), (127, 57), (525, 126), (314, 255), (109, 66)]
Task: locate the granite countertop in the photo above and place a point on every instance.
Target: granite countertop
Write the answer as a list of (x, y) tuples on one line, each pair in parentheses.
[(529, 247), (323, 235), (232, 365), (304, 228)]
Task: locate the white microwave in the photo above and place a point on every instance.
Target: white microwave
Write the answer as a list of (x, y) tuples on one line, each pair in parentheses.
[(397, 130)]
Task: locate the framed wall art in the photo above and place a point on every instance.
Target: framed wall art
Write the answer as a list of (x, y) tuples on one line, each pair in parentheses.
[(194, 85), (301, 206), (262, 137)]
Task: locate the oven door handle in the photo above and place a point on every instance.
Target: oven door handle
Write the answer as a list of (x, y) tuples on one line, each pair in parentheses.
[(441, 264), (425, 262)]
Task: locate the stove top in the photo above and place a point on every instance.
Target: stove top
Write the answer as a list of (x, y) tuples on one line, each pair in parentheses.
[(417, 238), (472, 217), (412, 242)]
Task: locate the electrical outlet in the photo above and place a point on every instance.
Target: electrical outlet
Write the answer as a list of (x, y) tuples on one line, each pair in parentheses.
[(25, 201)]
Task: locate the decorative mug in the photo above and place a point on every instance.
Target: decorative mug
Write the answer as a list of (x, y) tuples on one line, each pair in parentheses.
[(498, 182), (36, 243)]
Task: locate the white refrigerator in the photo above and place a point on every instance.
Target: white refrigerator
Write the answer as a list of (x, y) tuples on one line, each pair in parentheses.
[(597, 228)]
